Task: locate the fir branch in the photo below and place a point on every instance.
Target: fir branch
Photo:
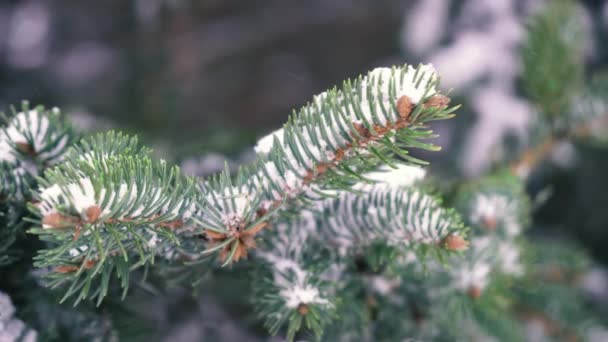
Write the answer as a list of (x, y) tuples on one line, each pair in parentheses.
[(400, 217), (329, 143), (106, 213), (295, 286), (497, 209), (553, 82), (15, 182), (495, 205), (30, 141), (530, 158), (37, 135), (366, 121)]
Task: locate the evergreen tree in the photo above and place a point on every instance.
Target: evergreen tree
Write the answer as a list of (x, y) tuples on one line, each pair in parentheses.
[(335, 226)]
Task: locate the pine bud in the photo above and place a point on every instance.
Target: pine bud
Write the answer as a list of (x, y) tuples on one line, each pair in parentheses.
[(404, 107), (490, 223), (88, 264), (261, 212), (321, 168), (26, 148), (362, 130), (455, 243), (56, 220), (66, 269), (474, 292), (303, 309), (437, 101), (92, 213)]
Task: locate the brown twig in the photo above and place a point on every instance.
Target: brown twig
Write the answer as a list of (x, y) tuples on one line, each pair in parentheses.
[(531, 157), (243, 239)]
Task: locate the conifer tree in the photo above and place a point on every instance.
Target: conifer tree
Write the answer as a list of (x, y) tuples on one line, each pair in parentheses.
[(336, 225)]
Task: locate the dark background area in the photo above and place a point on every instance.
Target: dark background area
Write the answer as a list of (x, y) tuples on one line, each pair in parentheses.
[(183, 69)]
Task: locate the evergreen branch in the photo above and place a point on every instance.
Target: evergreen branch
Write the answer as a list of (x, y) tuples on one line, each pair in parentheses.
[(497, 209), (15, 182), (294, 287), (346, 125), (495, 205), (36, 135), (30, 141), (401, 217), (9, 232), (298, 284), (530, 158), (553, 82), (106, 213), (329, 143)]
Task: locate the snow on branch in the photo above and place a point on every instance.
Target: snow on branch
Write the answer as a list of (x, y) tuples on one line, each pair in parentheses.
[(330, 143), (375, 116), (29, 141), (99, 207), (38, 134), (402, 217)]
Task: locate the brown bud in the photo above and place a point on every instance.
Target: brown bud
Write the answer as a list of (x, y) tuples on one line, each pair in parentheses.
[(381, 130), (241, 252), (224, 253), (339, 155), (362, 130), (66, 269), (490, 223), (248, 241), (474, 292), (321, 168), (455, 243), (56, 220), (437, 101), (261, 212), (88, 264), (404, 106), (171, 224), (213, 235), (308, 177), (303, 309), (26, 148), (92, 213)]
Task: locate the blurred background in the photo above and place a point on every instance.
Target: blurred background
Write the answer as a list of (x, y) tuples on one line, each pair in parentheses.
[(230, 70), (181, 70), (202, 80)]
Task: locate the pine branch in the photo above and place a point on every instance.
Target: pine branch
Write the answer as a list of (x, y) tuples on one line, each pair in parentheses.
[(109, 207), (37, 136), (104, 214), (300, 289), (15, 182), (497, 209), (328, 144), (30, 141), (592, 125), (555, 85), (552, 82)]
